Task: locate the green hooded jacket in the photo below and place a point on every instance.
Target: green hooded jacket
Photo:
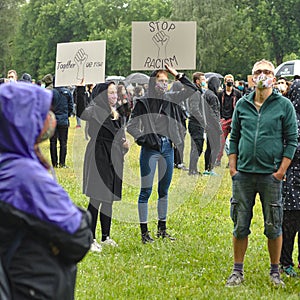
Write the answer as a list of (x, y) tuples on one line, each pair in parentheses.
[(262, 138)]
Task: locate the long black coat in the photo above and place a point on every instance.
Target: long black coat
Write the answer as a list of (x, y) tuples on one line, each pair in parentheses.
[(104, 156)]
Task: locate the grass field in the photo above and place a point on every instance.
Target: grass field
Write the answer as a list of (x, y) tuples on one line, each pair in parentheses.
[(196, 265)]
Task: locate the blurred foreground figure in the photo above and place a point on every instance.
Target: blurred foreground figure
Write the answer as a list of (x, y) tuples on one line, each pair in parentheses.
[(43, 234)]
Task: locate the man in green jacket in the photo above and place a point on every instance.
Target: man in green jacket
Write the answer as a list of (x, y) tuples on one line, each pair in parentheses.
[(262, 144)]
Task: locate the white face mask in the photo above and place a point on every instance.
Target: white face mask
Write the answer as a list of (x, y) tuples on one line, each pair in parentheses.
[(282, 87), (262, 81)]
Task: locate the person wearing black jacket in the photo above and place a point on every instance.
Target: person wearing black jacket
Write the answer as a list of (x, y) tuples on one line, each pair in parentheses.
[(197, 123), (62, 106), (82, 98), (213, 126), (104, 159), (291, 197), (179, 149), (227, 98), (155, 125)]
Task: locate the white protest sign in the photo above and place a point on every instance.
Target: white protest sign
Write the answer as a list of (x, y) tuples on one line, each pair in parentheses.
[(156, 43), (80, 60)]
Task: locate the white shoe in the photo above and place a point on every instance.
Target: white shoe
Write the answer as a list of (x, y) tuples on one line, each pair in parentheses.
[(95, 247), (109, 242)]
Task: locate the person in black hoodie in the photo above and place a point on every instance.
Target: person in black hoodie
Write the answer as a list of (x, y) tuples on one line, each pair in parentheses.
[(213, 127), (155, 125), (197, 123), (104, 158), (179, 149)]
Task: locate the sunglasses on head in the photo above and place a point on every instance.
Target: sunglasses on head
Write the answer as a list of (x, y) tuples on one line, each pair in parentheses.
[(265, 71)]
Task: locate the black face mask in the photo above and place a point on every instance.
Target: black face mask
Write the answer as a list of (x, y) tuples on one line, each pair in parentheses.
[(229, 83)]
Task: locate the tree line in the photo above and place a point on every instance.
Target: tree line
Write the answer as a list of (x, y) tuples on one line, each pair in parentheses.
[(231, 35)]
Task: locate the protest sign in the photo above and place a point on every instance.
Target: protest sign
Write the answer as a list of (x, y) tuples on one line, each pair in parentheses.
[(156, 43), (250, 81), (80, 60)]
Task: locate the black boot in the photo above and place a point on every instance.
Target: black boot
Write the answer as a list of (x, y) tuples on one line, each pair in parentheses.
[(146, 238), (161, 231)]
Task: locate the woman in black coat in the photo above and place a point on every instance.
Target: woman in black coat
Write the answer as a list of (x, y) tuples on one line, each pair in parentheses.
[(104, 156)]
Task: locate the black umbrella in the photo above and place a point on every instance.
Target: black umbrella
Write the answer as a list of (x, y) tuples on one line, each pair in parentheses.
[(210, 74), (138, 78)]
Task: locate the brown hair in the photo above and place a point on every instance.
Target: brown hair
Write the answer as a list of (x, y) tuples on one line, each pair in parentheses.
[(197, 75), (161, 72)]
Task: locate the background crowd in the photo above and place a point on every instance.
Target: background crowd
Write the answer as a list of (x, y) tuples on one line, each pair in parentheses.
[(203, 107)]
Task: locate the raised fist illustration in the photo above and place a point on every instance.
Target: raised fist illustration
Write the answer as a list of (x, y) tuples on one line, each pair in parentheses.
[(80, 59), (161, 40)]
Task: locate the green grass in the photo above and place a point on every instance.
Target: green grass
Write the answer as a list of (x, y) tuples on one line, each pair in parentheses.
[(196, 266)]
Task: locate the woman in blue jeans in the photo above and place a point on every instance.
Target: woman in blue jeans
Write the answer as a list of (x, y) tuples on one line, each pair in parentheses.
[(155, 124)]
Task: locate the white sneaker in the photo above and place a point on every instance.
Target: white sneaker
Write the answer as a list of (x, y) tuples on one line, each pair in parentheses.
[(109, 242), (95, 247)]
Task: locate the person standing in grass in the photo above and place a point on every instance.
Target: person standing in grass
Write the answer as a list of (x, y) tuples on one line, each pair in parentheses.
[(197, 123), (155, 124), (291, 196), (213, 126), (43, 234), (103, 160), (262, 144)]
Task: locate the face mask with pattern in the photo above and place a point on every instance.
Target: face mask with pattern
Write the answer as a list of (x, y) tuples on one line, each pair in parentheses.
[(262, 81), (161, 87)]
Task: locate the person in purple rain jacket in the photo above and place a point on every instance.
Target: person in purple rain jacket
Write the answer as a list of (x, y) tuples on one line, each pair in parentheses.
[(43, 234)]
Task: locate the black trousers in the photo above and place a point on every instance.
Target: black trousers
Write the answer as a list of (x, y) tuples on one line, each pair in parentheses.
[(197, 140), (290, 227), (207, 157), (178, 154), (61, 134), (105, 217)]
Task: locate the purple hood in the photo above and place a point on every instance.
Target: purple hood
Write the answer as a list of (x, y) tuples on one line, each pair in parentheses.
[(24, 183)]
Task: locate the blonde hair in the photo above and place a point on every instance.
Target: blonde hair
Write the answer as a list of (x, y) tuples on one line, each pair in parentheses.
[(114, 113), (12, 71), (227, 76), (263, 61)]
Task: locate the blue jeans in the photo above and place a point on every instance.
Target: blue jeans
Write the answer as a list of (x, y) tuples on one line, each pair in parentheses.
[(245, 186), (149, 159)]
